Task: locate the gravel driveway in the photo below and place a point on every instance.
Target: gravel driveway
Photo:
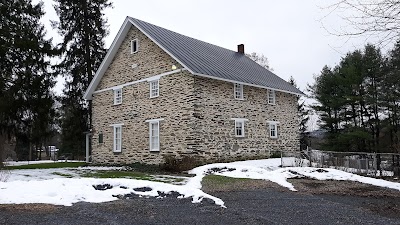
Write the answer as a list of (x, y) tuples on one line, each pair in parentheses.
[(247, 202)]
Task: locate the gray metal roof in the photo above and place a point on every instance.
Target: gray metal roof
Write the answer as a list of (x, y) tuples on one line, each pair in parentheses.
[(203, 58)]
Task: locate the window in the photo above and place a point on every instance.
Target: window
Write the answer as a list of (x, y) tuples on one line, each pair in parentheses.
[(154, 134), (238, 91), (154, 89), (134, 46), (239, 126), (100, 138), (273, 129), (271, 97), (118, 96), (117, 145)]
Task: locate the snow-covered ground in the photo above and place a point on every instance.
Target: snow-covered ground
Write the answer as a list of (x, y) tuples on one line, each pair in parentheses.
[(52, 187)]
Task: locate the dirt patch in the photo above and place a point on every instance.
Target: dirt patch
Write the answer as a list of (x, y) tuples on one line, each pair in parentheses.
[(349, 188), (383, 201), (30, 207)]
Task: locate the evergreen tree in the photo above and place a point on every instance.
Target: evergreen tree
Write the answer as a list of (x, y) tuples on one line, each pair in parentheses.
[(26, 100), (349, 101), (390, 99), (83, 28), (302, 114)]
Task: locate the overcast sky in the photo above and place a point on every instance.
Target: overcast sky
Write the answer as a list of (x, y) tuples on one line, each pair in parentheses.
[(289, 33)]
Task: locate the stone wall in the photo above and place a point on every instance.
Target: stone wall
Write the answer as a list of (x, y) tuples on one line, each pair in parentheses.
[(137, 107), (197, 112), (215, 106)]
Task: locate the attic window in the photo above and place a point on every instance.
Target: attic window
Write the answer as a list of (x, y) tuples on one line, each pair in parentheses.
[(271, 97), (118, 96), (134, 46), (238, 91)]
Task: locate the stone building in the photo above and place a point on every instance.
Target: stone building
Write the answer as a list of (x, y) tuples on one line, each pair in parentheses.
[(161, 93)]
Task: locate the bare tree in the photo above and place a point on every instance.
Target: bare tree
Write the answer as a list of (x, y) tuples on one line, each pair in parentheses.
[(260, 59), (379, 19)]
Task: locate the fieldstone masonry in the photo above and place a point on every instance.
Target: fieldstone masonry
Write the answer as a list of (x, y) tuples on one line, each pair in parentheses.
[(197, 112)]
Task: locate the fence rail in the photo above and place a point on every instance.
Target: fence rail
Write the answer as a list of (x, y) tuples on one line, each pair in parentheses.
[(371, 164)]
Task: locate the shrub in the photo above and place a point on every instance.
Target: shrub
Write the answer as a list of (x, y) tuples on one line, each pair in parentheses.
[(276, 154), (179, 163)]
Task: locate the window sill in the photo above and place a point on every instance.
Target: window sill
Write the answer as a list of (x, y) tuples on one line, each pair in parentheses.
[(117, 104), (155, 150), (240, 136), (271, 103), (275, 138), (240, 99), (154, 96)]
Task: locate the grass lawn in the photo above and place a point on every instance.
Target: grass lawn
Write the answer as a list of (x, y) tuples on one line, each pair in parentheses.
[(48, 165), (215, 183)]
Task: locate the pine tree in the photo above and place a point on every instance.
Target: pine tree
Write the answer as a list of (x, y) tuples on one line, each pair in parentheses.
[(26, 100), (83, 28), (390, 99), (302, 114)]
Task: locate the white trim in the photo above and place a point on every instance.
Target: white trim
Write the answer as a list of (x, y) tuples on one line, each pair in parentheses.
[(137, 45), (275, 125), (247, 84), (154, 120), (269, 91), (242, 121), (156, 77), (116, 96), (151, 122), (151, 88), (159, 45), (115, 129), (239, 90)]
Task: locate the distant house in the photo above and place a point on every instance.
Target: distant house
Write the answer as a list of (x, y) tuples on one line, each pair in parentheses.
[(161, 93)]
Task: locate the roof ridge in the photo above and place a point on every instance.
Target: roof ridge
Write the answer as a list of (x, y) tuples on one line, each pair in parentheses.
[(183, 35)]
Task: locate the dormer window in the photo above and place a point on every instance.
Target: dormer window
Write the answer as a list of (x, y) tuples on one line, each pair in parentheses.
[(271, 97), (238, 91), (134, 46)]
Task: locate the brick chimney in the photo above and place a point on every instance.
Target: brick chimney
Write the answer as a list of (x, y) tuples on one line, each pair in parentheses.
[(241, 49)]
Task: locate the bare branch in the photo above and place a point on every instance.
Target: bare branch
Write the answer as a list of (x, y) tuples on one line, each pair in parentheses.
[(379, 19)]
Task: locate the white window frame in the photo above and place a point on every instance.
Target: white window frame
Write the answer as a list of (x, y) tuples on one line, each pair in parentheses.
[(273, 127), (239, 123), (271, 97), (117, 96), (154, 88), (137, 46), (238, 91), (153, 134), (117, 129)]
